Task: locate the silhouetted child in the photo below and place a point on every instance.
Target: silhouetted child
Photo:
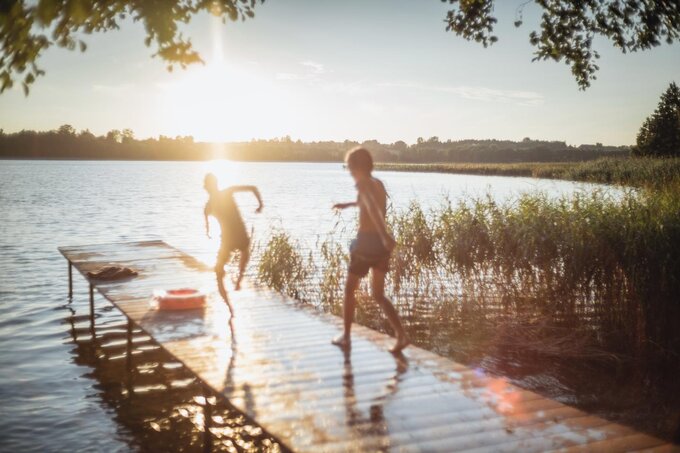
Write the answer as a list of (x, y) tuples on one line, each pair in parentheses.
[(372, 247), (222, 206)]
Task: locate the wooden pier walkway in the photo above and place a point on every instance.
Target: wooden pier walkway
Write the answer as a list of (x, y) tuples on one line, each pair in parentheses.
[(274, 362)]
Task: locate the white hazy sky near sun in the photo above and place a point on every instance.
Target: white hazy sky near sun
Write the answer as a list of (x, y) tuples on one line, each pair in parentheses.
[(335, 70)]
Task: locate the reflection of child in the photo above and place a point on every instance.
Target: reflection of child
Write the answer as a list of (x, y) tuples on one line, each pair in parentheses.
[(372, 247), (222, 206)]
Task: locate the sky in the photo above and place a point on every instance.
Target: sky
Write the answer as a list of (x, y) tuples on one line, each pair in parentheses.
[(335, 70)]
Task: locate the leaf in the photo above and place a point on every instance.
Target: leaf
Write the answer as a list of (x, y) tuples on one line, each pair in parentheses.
[(47, 11)]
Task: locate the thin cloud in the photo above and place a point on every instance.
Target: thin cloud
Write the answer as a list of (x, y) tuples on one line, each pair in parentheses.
[(372, 108), (317, 68), (313, 72), (291, 76), (349, 88), (315, 76), (477, 93), (111, 89)]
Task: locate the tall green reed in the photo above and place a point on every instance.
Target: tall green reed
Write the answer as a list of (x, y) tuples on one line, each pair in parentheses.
[(601, 270), (283, 267), (654, 173)]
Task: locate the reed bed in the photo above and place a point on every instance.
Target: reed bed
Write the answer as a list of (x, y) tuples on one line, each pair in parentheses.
[(636, 172), (589, 275), (582, 290)]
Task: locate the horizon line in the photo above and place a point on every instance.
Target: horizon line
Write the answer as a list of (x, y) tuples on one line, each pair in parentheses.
[(299, 140)]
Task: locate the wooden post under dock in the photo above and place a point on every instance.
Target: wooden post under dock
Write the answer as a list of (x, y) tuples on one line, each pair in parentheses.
[(275, 363)]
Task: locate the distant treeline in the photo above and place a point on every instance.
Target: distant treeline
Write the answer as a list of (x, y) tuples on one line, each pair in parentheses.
[(66, 143)]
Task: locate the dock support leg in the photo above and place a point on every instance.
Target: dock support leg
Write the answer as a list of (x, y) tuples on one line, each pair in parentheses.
[(70, 280), (129, 344), (207, 422), (128, 359), (92, 308)]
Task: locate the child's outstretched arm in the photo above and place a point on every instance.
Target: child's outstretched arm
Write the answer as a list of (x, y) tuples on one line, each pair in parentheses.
[(207, 223), (341, 206), (254, 191)]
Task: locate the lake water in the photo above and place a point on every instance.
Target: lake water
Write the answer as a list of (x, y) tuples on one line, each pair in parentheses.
[(53, 395)]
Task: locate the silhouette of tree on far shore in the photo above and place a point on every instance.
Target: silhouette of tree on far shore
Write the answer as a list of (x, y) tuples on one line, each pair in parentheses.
[(66, 143), (660, 133)]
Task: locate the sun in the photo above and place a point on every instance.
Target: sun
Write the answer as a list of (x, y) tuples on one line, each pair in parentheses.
[(210, 102), (225, 99), (227, 172)]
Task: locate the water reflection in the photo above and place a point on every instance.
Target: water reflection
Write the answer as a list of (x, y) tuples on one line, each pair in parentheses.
[(158, 404), (372, 423), (229, 383)]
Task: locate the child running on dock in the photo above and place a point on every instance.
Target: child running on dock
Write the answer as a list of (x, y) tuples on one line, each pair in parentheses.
[(234, 236), (372, 247)]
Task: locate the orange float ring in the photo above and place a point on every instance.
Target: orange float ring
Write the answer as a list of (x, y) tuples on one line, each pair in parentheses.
[(179, 299)]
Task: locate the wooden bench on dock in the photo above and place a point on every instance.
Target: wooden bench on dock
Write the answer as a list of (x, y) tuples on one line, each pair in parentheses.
[(275, 363)]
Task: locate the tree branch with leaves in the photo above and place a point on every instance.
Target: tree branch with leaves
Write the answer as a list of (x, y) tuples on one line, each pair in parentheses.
[(27, 29), (569, 27)]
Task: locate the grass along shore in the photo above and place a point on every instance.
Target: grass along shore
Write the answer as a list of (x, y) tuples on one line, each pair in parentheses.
[(606, 268), (635, 172)]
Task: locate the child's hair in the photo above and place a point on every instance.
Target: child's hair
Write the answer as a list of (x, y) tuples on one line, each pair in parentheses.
[(360, 159), (210, 180)]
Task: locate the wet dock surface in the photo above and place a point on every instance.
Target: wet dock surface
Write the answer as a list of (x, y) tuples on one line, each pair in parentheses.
[(274, 362)]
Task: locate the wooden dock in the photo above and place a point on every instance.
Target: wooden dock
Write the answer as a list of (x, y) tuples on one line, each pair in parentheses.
[(274, 362)]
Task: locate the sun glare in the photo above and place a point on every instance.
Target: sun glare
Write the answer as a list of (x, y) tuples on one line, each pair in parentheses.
[(228, 172), (219, 102), (207, 102)]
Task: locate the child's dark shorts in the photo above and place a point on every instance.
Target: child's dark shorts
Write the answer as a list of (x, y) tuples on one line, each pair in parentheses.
[(366, 253), (230, 245)]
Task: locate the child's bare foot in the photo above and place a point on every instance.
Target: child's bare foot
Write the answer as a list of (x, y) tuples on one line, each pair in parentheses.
[(342, 341), (399, 346), (237, 282)]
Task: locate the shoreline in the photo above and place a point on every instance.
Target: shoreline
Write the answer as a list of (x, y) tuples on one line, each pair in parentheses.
[(629, 171), (636, 172)]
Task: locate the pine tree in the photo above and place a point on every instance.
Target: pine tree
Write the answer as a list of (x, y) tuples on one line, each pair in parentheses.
[(660, 133)]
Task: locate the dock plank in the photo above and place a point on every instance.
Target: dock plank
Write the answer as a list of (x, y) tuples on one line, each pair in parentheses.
[(275, 363)]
